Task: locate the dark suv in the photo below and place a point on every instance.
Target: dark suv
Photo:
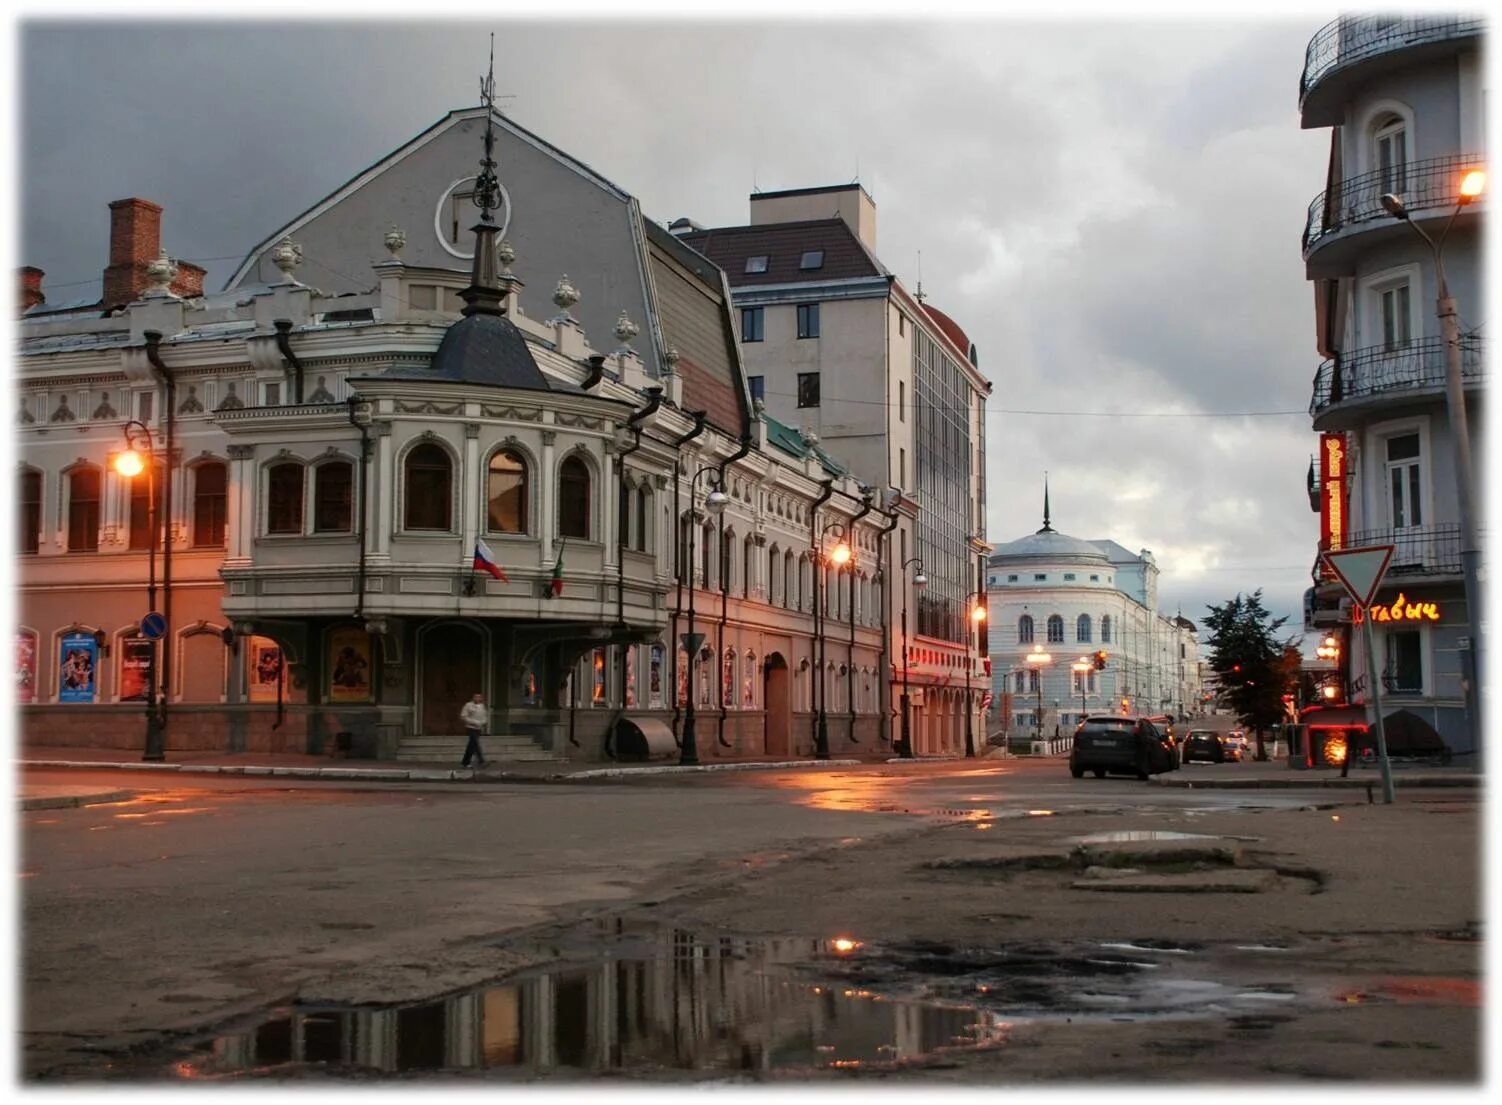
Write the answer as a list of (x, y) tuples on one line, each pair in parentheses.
[(1121, 745)]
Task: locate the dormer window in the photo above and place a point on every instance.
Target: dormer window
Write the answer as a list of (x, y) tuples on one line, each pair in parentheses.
[(812, 259), (757, 264)]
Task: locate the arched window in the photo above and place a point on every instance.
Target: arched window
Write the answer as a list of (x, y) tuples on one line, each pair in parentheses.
[(1105, 629), (705, 676), (706, 554), (789, 581), (506, 493), (1055, 629), (83, 510), (29, 501), (748, 565), (573, 498), (654, 677), (1025, 629), (139, 535), (1390, 153), (334, 497), (429, 489), (684, 568), (727, 561), (209, 504), (682, 678), (1082, 628), (1019, 681), (774, 573), (748, 687), (643, 517), (727, 690)]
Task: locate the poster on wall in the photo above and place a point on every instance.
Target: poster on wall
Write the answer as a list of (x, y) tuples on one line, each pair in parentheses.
[(265, 659), (26, 667), (631, 676), (135, 668), (78, 668), (654, 678), (349, 665)]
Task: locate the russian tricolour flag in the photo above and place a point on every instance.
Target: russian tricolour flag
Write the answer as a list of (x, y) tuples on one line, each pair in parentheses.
[(485, 562)]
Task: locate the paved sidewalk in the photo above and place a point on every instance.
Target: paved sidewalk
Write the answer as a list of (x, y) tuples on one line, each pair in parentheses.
[(298, 766), (1253, 775), (53, 796)]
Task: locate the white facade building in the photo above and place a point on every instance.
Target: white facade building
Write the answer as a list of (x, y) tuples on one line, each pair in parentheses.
[(1069, 599)]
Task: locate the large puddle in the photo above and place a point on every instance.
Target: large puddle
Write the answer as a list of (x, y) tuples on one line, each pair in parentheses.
[(687, 1004)]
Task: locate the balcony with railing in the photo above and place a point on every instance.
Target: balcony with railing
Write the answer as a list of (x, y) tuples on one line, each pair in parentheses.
[(1419, 552), (1431, 185), (1380, 373), (1354, 47)]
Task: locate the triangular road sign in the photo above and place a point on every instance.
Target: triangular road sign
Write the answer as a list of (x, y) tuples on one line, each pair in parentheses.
[(1360, 569)]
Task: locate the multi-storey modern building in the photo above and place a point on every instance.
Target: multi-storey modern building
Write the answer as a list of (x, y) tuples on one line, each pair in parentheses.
[(1404, 97), (834, 344), (335, 467), (1056, 602)]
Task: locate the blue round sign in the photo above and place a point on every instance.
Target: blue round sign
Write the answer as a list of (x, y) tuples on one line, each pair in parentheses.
[(153, 626)]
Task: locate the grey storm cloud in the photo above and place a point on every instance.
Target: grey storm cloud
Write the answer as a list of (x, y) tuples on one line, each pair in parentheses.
[(1111, 209)]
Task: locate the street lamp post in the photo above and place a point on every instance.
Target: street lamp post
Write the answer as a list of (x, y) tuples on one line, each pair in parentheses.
[(1082, 667), (1471, 186), (977, 616), (1037, 660), (130, 464), (920, 581), (714, 503), (839, 556)]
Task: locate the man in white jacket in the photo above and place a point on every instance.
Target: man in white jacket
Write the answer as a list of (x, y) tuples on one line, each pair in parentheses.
[(474, 715)]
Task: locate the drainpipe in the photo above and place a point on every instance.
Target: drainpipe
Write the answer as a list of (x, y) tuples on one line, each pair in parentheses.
[(741, 451), (596, 371), (363, 425), (700, 421), (154, 357), (816, 696), (886, 597), (284, 343), (850, 611), (634, 425)]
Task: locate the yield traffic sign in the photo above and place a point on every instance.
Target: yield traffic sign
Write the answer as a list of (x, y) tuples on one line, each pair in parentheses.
[(1360, 570)]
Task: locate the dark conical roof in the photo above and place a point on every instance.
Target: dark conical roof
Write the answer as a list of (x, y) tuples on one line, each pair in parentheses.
[(482, 349)]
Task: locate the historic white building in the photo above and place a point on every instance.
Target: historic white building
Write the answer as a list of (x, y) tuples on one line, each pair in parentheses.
[(376, 393), (1062, 600)]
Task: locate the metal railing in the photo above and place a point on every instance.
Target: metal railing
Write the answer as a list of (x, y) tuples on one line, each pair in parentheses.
[(1434, 182), (1378, 370), (1417, 550), (1354, 38)]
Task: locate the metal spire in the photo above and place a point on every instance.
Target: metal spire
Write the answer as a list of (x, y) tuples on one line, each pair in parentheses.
[(1046, 527), (484, 295)]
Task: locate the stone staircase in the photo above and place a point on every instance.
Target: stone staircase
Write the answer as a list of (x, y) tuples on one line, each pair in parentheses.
[(498, 748)]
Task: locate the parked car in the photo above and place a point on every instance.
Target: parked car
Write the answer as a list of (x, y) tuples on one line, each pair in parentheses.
[(1209, 747), (1164, 724), (1121, 745), (1238, 740)]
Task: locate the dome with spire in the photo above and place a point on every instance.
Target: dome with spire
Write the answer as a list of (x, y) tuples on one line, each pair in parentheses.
[(1049, 545)]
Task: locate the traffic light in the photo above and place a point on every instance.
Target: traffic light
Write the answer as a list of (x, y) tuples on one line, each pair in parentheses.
[(1100, 661)]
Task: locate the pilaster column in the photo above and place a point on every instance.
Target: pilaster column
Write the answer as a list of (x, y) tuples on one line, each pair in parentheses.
[(609, 504), (471, 498), (240, 509), (547, 520), (382, 492)]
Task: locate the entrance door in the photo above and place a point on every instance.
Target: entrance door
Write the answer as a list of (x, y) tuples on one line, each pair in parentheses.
[(451, 674), (777, 700)]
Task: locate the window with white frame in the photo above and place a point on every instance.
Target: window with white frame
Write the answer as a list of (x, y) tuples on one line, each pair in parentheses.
[(1390, 153), (1397, 317), (1403, 463)]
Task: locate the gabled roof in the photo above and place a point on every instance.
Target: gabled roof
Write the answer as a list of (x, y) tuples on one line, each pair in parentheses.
[(369, 173), (783, 245)]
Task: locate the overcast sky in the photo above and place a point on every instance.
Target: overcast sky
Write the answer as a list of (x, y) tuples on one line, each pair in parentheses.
[(1112, 210)]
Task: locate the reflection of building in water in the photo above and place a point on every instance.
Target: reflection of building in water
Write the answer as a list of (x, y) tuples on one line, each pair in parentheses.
[(698, 1005)]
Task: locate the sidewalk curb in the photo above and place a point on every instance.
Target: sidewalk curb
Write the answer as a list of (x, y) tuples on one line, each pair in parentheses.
[(73, 800), (430, 775), (1307, 784)]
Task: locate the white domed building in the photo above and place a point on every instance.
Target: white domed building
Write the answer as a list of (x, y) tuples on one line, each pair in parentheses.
[(1056, 600)]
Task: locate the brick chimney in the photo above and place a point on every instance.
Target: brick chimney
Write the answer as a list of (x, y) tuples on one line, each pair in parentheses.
[(135, 238), (189, 282), (31, 288)]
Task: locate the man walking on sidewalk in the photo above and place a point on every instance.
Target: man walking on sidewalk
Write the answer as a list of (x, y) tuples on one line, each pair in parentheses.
[(474, 715)]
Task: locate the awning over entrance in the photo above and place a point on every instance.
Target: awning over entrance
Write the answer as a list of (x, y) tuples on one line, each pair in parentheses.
[(643, 739)]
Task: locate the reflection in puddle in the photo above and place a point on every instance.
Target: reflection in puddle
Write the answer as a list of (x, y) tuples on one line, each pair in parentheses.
[(677, 1002), (1121, 836)]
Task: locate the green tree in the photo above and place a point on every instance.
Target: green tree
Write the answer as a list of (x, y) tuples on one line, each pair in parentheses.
[(1251, 662)]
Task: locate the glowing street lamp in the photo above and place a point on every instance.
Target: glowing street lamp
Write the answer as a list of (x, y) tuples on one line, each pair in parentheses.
[(1037, 660), (920, 581), (1082, 667), (714, 504), (130, 463)]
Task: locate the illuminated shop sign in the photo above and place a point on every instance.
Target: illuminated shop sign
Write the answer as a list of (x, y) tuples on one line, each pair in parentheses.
[(1334, 496), (1401, 610)]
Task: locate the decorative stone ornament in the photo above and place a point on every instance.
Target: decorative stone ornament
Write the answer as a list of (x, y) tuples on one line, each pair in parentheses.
[(63, 413), (104, 410), (321, 393), (232, 402), (505, 253), (161, 271), (625, 329), (565, 295), (191, 404), (396, 238), (670, 357), (24, 415), (287, 256)]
